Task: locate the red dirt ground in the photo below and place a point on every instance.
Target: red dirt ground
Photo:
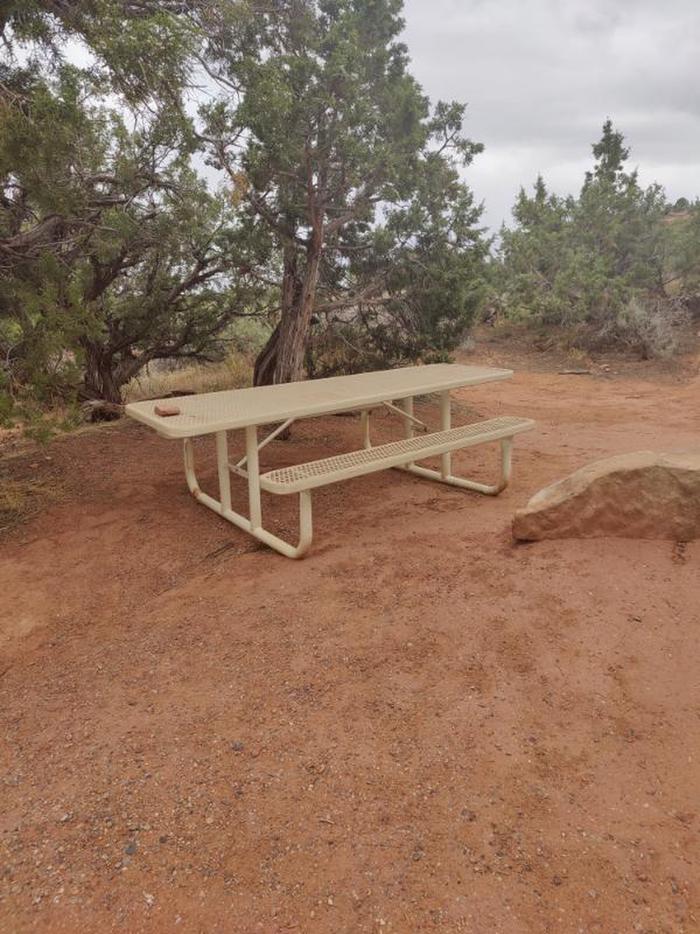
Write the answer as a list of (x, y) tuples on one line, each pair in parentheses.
[(419, 727)]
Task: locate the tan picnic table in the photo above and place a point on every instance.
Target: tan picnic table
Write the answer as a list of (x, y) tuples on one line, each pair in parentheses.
[(218, 413)]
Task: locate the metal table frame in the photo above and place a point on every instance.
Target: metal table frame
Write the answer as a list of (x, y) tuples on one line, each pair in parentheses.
[(252, 408)]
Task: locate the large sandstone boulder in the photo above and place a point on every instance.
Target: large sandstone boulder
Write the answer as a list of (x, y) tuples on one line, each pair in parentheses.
[(641, 495)]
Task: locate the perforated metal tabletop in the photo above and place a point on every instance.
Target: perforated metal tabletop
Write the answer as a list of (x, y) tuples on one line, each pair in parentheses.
[(222, 411)]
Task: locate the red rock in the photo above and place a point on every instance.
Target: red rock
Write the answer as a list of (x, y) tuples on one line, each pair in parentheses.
[(640, 495)]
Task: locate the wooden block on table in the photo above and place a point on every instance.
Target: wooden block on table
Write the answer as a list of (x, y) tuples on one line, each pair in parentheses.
[(165, 411)]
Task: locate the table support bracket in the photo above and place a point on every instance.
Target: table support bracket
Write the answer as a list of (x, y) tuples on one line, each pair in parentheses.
[(266, 440)]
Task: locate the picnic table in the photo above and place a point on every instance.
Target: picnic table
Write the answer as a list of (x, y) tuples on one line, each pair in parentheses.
[(217, 413)]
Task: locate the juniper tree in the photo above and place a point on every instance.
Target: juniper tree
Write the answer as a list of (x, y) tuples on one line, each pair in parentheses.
[(592, 261), (336, 154), (112, 251)]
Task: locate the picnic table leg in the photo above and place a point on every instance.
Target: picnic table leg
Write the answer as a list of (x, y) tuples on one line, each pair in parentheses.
[(222, 467), (253, 525), (486, 488), (255, 504), (444, 475), (408, 423), (445, 425), (253, 470), (506, 462), (188, 453), (364, 424), (407, 406)]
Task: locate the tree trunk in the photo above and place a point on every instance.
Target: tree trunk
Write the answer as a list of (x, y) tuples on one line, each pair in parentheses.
[(99, 379), (266, 362), (264, 370), (282, 358)]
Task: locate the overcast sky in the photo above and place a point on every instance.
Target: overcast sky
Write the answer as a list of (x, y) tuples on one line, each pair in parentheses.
[(541, 76)]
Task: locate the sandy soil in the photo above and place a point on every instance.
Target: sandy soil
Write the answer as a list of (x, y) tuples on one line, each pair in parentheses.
[(419, 727)]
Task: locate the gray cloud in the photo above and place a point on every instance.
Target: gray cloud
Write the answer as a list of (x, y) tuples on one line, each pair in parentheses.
[(541, 76)]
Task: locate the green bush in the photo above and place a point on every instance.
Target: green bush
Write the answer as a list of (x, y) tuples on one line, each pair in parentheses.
[(607, 267)]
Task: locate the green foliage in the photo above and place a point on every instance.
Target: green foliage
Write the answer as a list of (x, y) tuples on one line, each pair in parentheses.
[(333, 148), (345, 205), (140, 50), (112, 251), (428, 256), (682, 270), (597, 264)]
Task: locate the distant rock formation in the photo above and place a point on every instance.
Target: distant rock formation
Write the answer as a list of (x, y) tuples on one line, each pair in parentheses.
[(640, 495)]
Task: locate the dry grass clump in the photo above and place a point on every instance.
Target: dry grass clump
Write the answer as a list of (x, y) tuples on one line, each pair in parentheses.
[(232, 373), (23, 497)]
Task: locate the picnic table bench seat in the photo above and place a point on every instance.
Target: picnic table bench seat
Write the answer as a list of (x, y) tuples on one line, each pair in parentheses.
[(329, 470)]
